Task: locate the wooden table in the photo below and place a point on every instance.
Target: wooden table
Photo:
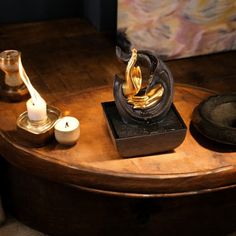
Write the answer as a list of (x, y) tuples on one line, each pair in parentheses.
[(86, 183)]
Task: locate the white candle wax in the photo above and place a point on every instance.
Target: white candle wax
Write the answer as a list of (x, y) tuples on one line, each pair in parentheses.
[(37, 111), (67, 130)]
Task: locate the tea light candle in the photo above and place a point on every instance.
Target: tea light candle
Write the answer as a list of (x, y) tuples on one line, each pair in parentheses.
[(36, 111), (67, 130)]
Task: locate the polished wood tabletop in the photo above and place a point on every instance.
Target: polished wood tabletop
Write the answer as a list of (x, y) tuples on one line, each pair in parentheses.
[(63, 191), (73, 66), (196, 166)]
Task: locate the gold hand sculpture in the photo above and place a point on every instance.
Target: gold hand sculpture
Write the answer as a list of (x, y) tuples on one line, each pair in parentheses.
[(133, 84), (133, 77)]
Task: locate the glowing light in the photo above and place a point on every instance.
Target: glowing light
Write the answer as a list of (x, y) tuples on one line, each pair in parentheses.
[(36, 106)]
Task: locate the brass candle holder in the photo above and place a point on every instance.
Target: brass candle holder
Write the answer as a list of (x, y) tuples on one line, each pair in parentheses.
[(12, 87), (38, 133)]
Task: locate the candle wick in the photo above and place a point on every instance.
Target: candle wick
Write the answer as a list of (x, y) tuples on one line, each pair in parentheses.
[(67, 125)]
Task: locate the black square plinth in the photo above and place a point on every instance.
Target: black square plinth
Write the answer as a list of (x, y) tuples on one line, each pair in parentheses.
[(136, 140)]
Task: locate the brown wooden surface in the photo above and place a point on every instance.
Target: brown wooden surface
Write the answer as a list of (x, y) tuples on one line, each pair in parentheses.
[(65, 57), (94, 162), (62, 210), (68, 55)]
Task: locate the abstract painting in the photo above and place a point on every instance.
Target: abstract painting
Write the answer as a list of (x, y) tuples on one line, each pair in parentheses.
[(178, 28)]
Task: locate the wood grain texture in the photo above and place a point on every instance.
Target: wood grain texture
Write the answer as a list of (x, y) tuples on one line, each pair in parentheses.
[(94, 163), (62, 210), (65, 57)]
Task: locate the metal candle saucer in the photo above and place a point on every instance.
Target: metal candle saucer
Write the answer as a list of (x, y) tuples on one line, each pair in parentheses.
[(38, 133)]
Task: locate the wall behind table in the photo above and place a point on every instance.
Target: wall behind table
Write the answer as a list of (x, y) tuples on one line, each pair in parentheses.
[(35, 10), (176, 28), (101, 13)]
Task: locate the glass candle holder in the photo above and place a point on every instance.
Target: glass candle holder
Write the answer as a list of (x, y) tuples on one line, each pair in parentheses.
[(11, 87)]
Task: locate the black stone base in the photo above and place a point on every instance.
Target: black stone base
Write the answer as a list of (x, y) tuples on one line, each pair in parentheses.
[(136, 140)]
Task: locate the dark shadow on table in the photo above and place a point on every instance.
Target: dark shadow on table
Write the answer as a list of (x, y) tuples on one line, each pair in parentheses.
[(210, 144)]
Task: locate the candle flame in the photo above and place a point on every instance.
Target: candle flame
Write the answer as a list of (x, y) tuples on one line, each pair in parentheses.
[(66, 113), (35, 96)]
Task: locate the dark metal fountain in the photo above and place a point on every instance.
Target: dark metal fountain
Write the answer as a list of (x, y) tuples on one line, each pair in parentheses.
[(143, 119)]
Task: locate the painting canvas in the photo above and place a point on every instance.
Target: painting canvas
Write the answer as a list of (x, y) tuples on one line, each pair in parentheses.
[(178, 28)]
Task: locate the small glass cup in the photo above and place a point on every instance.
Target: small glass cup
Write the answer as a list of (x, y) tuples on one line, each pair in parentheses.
[(12, 87)]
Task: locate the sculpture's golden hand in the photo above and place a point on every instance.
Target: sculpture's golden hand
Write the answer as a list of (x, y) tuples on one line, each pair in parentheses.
[(133, 77), (147, 100), (133, 83)]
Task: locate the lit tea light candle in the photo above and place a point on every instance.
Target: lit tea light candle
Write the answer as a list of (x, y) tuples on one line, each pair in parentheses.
[(37, 111), (67, 130), (36, 105)]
